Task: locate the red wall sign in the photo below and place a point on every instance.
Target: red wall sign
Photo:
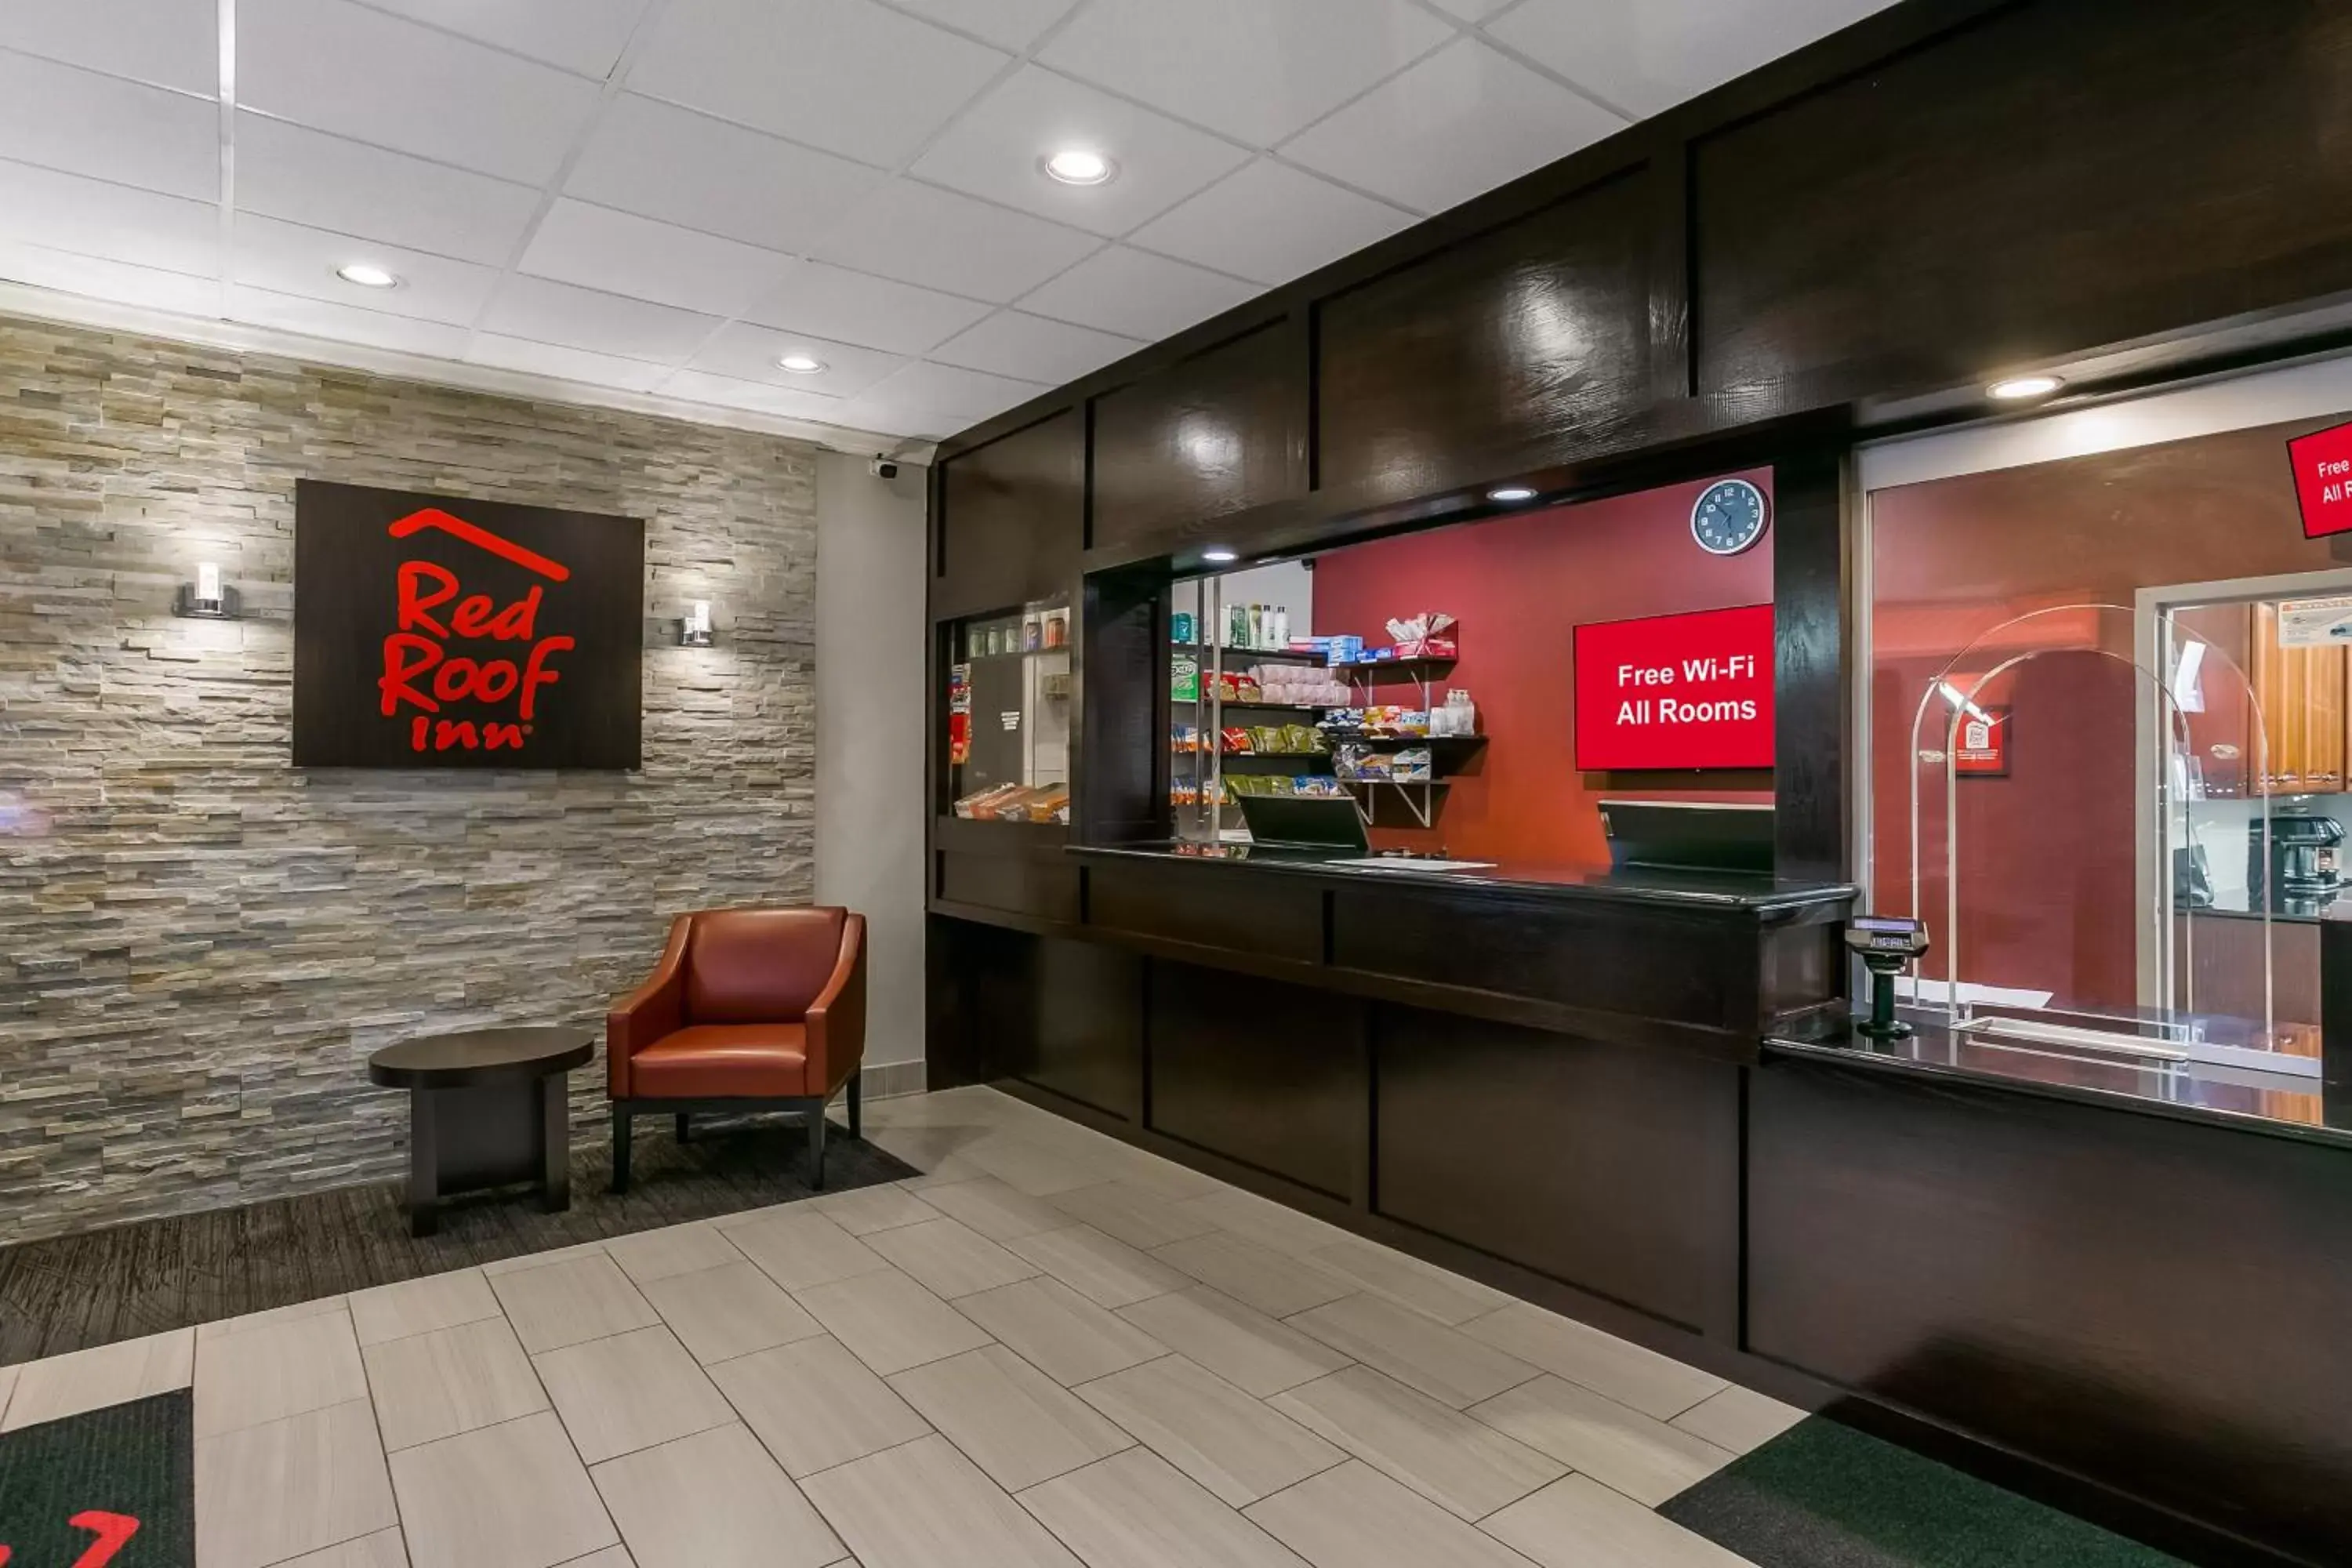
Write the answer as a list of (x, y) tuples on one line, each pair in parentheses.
[(2323, 480), (1676, 691), (1981, 750)]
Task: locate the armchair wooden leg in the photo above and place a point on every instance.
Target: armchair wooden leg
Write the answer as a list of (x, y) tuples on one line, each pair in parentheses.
[(816, 1144), (856, 1121), (685, 1128), (620, 1147)]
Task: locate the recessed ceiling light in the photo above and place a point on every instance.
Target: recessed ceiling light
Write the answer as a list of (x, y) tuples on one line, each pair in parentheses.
[(367, 275), (1079, 166), (1511, 493), (2018, 388), (801, 364), (1218, 555)]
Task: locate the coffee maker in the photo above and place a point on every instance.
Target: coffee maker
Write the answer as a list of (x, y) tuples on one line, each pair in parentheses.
[(2302, 874)]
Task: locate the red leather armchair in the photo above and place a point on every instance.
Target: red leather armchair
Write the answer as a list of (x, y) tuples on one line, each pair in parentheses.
[(747, 1009)]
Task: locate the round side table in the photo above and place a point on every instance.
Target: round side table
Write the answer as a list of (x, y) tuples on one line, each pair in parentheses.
[(485, 1109)]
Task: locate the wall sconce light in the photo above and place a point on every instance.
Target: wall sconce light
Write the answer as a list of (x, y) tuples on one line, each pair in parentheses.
[(206, 598), (695, 630)]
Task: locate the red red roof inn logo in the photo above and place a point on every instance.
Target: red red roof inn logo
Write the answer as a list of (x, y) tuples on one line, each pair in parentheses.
[(443, 633)]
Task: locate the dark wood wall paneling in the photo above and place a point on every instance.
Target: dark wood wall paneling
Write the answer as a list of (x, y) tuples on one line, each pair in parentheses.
[(1012, 518)]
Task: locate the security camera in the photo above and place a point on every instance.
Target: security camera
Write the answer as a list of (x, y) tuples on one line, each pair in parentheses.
[(882, 467)]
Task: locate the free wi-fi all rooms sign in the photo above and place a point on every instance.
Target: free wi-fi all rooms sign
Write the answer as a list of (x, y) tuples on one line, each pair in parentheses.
[(435, 632)]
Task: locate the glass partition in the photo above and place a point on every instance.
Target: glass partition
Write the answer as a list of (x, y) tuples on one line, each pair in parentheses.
[(1009, 687)]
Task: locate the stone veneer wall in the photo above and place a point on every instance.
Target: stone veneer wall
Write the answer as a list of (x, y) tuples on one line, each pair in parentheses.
[(199, 944)]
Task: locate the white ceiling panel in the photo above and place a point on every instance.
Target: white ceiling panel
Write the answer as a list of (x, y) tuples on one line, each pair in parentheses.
[(337, 67), (1649, 57), (1475, 11), (307, 176), (344, 323), (1033, 348), (996, 151), (287, 258), (1124, 290), (581, 36), (66, 212), (115, 281), (746, 352), (1271, 223), (970, 394), (1256, 70), (844, 75), (701, 386), (63, 118), (169, 43), (1463, 121), (565, 364), (654, 158), (621, 252), (551, 312), (921, 233), (1008, 23), (859, 308)]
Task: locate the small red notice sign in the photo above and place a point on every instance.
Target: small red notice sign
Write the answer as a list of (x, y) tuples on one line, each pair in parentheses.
[(1983, 751), (2323, 480)]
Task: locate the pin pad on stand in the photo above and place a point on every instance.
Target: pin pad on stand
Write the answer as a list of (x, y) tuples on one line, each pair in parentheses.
[(1886, 943)]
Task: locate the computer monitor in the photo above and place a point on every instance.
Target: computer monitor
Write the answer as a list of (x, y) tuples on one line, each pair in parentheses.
[(1689, 837), (1304, 822)]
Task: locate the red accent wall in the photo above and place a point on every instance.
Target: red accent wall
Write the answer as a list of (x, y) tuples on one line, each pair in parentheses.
[(1519, 585)]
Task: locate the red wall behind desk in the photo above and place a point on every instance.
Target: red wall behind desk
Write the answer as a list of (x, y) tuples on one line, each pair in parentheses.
[(1520, 585)]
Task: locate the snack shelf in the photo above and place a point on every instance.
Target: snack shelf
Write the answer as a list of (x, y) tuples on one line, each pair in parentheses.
[(1423, 805), (1443, 749), (1423, 668), (1288, 655)]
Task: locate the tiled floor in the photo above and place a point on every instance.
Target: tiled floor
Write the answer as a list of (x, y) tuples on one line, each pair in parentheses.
[(1050, 1348)]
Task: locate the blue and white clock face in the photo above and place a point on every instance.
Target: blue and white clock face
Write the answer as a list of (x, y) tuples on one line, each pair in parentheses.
[(1729, 517)]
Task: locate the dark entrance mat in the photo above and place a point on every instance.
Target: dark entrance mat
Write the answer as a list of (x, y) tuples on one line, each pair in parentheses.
[(111, 1489), (1823, 1495), (75, 1292)]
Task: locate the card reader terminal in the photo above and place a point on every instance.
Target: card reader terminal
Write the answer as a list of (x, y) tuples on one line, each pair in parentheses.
[(1886, 944)]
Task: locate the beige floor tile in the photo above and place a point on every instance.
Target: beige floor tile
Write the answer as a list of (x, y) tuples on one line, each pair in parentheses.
[(740, 1217), (1647, 1460), (1739, 1420), (275, 1315), (1135, 1509), (270, 1373), (381, 1550), (865, 1210), (1234, 1446), (890, 1322), (1579, 1523), (629, 1392), (1354, 1517), (993, 1209), (1253, 1353), (651, 1254), (1132, 1213), (816, 1405), (924, 1505), (568, 1303), (509, 1496), (421, 1306), (1059, 1332), (948, 1259), (1420, 1352), (804, 1247), (107, 1374), (614, 1557), (1431, 1292), (1009, 1418), (531, 1260), (285, 1488), (1261, 1220), (713, 1500), (1107, 1272), (1271, 1282), (1464, 1466), (722, 1313), (7, 1388), (1626, 1372), (1136, 1168), (916, 1148), (435, 1385), (1028, 1167)]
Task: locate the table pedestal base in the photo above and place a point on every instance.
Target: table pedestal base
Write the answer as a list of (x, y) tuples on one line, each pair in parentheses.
[(491, 1135)]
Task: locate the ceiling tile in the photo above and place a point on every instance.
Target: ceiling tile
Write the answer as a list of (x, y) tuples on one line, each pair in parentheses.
[(994, 150), (1649, 57), (564, 364), (582, 36), (66, 212), (859, 308), (701, 386), (1256, 70), (1463, 121), (1033, 348), (1148, 297), (969, 395), (307, 176), (654, 158), (118, 281), (1271, 223), (748, 352), (597, 248), (85, 123), (287, 258), (921, 233), (844, 75), (169, 43), (1476, 10), (1009, 24), (344, 323), (551, 312), (337, 67)]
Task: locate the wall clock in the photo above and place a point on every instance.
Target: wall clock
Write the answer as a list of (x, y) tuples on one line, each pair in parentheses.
[(1728, 517)]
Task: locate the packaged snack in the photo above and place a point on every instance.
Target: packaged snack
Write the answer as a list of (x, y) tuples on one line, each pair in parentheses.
[(1184, 678), (1412, 765), (1180, 627), (1235, 742), (1248, 689)]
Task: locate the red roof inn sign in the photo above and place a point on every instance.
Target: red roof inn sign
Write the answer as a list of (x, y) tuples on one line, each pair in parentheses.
[(431, 632)]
